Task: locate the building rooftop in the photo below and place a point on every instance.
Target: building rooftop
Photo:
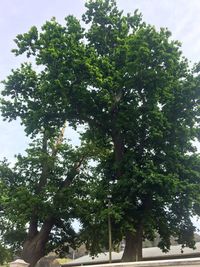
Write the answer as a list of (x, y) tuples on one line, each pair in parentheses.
[(152, 253)]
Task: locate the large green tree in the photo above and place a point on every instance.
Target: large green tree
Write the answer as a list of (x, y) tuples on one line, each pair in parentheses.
[(143, 108), (39, 192), (138, 98)]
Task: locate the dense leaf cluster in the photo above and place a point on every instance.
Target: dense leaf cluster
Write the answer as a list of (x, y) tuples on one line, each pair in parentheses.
[(138, 100)]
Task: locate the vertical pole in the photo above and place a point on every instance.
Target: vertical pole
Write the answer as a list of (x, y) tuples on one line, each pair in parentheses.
[(109, 233)]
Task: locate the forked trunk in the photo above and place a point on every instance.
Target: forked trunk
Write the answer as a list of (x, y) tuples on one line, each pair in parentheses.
[(133, 246), (34, 246), (33, 250)]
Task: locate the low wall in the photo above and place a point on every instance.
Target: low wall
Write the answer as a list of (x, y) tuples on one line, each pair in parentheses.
[(163, 263)]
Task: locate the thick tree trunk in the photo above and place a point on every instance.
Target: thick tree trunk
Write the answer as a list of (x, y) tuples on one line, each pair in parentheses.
[(133, 247), (34, 245), (33, 250)]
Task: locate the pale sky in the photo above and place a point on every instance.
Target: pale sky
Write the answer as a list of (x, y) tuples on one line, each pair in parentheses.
[(181, 17)]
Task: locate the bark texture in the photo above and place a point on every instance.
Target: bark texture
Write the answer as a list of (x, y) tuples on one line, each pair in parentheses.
[(35, 244), (133, 247)]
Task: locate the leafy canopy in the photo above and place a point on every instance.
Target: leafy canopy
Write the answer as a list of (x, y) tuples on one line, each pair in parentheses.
[(129, 84)]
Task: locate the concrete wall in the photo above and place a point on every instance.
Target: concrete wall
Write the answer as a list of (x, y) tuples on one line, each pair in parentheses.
[(161, 263)]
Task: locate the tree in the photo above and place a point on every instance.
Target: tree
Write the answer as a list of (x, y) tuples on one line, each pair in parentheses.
[(138, 98), (40, 190), (146, 112)]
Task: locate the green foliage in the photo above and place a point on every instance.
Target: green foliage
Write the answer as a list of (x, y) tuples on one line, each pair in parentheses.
[(27, 192), (146, 104), (5, 255), (130, 86)]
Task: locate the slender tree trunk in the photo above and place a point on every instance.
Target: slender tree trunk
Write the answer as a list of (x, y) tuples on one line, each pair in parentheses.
[(34, 245), (133, 247)]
